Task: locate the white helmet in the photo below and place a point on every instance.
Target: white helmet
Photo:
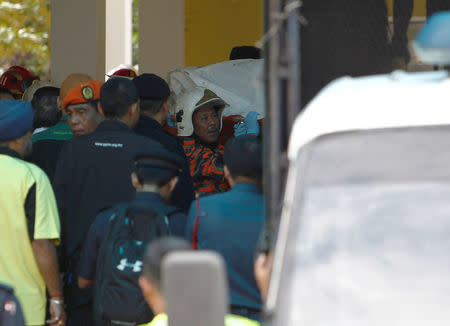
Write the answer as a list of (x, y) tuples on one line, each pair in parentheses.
[(192, 100)]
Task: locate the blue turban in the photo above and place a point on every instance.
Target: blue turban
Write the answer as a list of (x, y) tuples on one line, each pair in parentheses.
[(16, 119)]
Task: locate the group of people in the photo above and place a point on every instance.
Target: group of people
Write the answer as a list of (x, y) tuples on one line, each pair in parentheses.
[(75, 159)]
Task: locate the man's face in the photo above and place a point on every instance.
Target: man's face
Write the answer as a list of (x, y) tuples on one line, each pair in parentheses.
[(206, 124), (83, 118)]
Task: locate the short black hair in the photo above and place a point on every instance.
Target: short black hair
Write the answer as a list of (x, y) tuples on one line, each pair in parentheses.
[(243, 157), (150, 105), (155, 253), (154, 176), (245, 52), (45, 106), (116, 97), (4, 90)]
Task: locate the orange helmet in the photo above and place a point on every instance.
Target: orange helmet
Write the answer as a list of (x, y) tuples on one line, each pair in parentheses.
[(17, 79)]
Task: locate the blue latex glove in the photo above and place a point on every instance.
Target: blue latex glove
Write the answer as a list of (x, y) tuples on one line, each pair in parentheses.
[(240, 129), (251, 121), (170, 122)]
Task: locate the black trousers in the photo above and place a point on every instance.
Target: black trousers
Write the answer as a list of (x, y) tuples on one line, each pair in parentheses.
[(80, 316)]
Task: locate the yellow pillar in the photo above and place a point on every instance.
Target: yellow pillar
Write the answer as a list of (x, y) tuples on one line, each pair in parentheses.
[(180, 33), (214, 27)]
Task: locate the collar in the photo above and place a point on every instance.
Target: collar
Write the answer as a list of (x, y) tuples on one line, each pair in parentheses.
[(8, 151), (149, 122), (247, 187), (212, 146), (113, 125), (149, 196), (64, 118)]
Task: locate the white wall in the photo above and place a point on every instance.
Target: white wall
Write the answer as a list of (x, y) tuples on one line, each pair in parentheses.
[(118, 33), (77, 38)]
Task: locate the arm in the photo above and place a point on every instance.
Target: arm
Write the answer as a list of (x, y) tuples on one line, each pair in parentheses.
[(87, 265), (84, 283), (43, 229), (45, 253)]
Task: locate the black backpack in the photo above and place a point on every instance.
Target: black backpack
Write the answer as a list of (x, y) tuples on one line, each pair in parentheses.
[(117, 296)]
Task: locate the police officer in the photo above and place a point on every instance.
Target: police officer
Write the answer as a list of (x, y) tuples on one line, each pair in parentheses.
[(155, 176), (153, 101), (93, 173), (150, 282), (230, 223)]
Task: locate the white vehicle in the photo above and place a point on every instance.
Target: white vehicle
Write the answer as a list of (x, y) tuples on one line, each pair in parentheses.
[(365, 229)]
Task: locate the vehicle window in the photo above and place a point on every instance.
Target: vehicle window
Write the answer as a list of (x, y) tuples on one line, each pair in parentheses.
[(370, 254)]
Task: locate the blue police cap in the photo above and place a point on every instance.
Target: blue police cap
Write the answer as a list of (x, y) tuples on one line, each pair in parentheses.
[(151, 86), (158, 164), (432, 44), (16, 119), (159, 158)]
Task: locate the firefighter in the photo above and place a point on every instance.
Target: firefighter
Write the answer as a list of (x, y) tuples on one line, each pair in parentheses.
[(199, 119)]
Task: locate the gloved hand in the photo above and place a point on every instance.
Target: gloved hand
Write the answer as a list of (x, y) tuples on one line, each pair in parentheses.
[(170, 122), (251, 121), (249, 126), (240, 129)]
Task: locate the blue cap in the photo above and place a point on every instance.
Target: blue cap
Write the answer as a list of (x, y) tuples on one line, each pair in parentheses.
[(16, 119), (432, 44)]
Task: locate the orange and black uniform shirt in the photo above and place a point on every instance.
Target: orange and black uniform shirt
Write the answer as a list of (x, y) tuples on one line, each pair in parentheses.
[(206, 167)]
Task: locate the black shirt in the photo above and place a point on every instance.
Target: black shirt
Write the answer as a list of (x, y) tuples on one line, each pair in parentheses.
[(183, 194), (94, 173), (45, 155)]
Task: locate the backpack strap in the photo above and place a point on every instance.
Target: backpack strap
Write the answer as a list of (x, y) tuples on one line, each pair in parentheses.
[(197, 219), (165, 213)]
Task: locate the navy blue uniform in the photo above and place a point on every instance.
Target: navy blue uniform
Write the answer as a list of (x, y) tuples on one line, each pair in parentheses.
[(99, 228), (230, 223), (183, 194)]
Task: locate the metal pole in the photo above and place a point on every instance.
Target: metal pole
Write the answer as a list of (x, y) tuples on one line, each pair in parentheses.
[(272, 125), (293, 53), (282, 80)]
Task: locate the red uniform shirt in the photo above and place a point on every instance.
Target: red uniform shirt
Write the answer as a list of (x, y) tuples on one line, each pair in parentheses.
[(206, 167)]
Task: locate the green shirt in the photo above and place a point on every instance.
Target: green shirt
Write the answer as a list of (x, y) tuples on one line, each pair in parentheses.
[(60, 131)]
